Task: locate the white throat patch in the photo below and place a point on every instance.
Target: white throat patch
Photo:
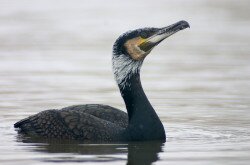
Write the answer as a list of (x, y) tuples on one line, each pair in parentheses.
[(124, 67)]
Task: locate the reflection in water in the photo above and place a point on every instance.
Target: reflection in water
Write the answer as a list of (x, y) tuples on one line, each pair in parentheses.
[(137, 152), (144, 152)]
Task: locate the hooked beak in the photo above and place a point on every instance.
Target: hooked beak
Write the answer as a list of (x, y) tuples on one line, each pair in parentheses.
[(162, 34)]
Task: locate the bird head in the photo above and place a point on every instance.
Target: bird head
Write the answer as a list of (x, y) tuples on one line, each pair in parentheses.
[(137, 44), (131, 48)]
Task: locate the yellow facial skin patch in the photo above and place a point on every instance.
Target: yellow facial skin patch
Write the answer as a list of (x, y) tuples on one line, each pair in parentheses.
[(133, 49)]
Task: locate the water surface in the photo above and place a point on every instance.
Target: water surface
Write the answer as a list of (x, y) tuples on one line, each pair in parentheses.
[(54, 55)]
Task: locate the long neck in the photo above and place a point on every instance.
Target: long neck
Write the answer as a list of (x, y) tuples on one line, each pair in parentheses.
[(137, 103), (144, 124)]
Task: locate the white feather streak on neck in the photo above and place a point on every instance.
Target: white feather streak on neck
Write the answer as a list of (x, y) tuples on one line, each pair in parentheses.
[(124, 67)]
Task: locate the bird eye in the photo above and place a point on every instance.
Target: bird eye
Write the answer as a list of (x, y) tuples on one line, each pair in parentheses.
[(144, 35)]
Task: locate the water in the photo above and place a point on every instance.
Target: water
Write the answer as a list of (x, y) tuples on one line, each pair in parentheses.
[(54, 55)]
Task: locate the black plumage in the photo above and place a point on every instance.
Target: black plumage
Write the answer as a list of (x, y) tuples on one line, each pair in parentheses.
[(81, 122)]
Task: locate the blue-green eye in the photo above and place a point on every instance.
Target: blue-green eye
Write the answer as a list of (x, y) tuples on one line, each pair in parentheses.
[(144, 35)]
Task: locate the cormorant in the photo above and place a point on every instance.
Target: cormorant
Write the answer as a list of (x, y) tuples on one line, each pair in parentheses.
[(97, 122)]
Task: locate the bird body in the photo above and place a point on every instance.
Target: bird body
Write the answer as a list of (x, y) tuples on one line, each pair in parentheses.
[(93, 122), (96, 122)]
